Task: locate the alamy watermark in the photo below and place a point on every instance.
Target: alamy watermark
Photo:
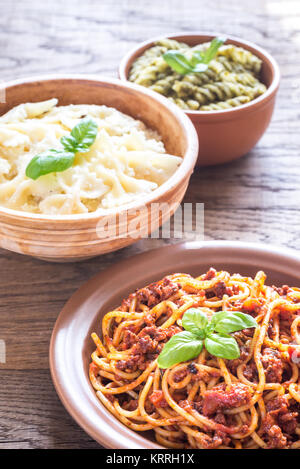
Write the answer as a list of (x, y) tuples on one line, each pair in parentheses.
[(2, 93), (154, 222), (295, 355), (295, 95), (2, 351)]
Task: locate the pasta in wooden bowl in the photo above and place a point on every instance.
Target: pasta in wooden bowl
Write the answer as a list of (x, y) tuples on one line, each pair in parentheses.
[(60, 216)]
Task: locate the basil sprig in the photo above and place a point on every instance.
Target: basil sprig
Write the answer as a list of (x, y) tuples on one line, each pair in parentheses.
[(199, 331), (197, 62), (81, 137)]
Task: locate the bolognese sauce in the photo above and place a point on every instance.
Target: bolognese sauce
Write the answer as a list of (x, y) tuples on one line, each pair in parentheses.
[(249, 402)]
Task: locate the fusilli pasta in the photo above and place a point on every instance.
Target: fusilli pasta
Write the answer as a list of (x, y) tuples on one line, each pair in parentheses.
[(232, 77)]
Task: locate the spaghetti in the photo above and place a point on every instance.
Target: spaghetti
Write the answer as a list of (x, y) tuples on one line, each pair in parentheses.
[(247, 403)]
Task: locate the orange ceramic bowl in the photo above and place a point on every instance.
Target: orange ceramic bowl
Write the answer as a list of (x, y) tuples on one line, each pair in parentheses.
[(231, 133)]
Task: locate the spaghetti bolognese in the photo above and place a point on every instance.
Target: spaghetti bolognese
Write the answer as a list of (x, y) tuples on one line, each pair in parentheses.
[(207, 400)]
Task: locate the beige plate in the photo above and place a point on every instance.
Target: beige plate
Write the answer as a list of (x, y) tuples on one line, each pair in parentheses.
[(71, 345)]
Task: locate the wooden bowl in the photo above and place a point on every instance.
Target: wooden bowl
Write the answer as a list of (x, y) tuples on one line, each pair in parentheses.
[(75, 237), (231, 133), (71, 344)]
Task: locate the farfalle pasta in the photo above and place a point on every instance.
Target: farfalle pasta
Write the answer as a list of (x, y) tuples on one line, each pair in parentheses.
[(126, 161)]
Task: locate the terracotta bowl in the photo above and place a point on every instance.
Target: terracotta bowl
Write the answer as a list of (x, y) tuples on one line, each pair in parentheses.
[(228, 134), (75, 237), (71, 345)]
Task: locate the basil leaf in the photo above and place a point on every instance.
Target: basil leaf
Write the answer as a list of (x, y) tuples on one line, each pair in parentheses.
[(180, 348), (212, 50), (82, 136), (199, 60), (200, 67), (80, 139), (178, 62), (196, 57), (50, 161), (222, 346), (181, 64), (215, 319), (234, 321), (194, 320)]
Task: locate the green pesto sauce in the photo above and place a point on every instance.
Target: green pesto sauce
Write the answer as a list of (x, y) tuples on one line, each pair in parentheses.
[(232, 78)]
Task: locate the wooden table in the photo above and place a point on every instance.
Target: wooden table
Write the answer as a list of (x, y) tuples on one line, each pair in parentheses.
[(254, 199)]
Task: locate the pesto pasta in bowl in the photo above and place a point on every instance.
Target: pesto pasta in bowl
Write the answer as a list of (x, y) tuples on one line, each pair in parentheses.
[(231, 78), (226, 86), (82, 160)]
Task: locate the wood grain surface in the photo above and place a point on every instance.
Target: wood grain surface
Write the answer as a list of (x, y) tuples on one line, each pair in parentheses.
[(253, 199)]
